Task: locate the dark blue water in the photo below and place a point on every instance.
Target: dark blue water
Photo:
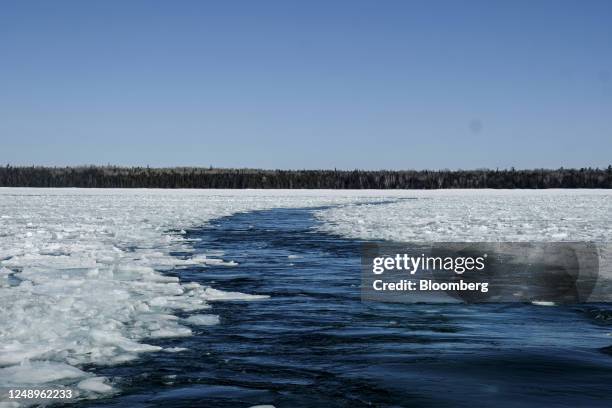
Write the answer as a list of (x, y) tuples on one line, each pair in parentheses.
[(314, 343)]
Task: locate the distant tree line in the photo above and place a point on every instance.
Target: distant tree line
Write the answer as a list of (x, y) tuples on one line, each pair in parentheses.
[(198, 177)]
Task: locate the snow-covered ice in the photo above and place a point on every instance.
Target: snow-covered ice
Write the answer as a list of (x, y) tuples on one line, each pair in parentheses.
[(479, 215)]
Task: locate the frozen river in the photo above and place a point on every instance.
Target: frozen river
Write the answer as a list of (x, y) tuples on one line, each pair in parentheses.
[(156, 298)]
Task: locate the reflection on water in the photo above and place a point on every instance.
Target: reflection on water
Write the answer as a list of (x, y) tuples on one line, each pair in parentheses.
[(314, 343)]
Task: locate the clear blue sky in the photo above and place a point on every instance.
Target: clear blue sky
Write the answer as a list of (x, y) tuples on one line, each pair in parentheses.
[(308, 84)]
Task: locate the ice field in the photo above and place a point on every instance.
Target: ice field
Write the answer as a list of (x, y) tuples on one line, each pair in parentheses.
[(480, 215), (82, 271)]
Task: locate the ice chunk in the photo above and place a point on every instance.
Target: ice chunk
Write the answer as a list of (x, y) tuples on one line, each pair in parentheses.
[(95, 384), (113, 339), (203, 259), (38, 372), (543, 303), (211, 294), (203, 320), (175, 349)]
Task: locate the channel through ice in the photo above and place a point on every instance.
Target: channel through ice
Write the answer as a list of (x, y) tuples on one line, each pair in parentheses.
[(82, 271)]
